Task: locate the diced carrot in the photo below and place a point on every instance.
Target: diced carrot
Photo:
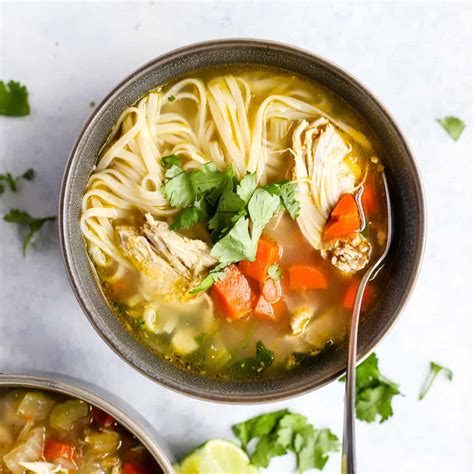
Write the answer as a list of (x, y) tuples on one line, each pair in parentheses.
[(233, 295), (271, 290), (369, 197), (351, 293), (102, 418), (307, 277), (268, 253), (344, 219), (55, 449), (133, 468)]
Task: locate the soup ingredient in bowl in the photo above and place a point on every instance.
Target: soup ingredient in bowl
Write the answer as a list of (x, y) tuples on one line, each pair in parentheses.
[(237, 214), (44, 432)]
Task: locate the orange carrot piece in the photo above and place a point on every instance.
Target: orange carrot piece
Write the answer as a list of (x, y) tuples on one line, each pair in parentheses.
[(344, 219), (271, 290), (55, 449), (133, 468), (268, 253), (233, 295), (307, 277), (350, 296)]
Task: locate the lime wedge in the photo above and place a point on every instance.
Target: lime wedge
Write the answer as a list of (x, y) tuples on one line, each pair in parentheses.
[(216, 456)]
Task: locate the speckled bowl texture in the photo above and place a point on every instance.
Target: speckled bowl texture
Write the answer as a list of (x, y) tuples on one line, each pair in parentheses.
[(405, 190), (99, 398)]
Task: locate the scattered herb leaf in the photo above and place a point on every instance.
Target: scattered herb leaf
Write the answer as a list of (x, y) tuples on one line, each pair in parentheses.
[(374, 392), (254, 365), (274, 271), (435, 369), (282, 431), (92, 104), (453, 126), (215, 275), (12, 182), (34, 224), (171, 98), (13, 99)]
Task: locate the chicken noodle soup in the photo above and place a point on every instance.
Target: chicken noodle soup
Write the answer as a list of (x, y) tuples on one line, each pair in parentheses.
[(44, 432), (229, 219)]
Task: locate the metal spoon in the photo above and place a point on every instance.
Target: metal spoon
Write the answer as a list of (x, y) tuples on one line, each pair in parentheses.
[(348, 465)]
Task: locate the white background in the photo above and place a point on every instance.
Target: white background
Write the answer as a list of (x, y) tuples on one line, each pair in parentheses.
[(415, 57)]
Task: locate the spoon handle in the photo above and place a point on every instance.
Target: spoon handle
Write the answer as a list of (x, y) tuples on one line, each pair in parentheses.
[(348, 464)]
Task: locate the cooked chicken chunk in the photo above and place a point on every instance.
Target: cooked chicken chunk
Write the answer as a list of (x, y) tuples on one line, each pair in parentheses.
[(300, 319), (322, 174), (350, 255), (189, 257), (169, 263)]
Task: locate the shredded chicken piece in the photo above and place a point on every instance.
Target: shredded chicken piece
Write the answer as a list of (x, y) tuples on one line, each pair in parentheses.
[(169, 263), (321, 173), (189, 257), (350, 255), (299, 320)]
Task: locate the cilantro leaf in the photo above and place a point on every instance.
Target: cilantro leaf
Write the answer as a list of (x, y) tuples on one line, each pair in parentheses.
[(274, 271), (189, 216), (254, 365), (13, 99), (12, 182), (257, 426), (280, 432), (171, 98), (453, 126), (236, 245), (34, 224), (289, 199), (247, 186), (178, 188), (374, 392), (208, 178), (262, 207), (435, 369), (313, 447), (214, 275)]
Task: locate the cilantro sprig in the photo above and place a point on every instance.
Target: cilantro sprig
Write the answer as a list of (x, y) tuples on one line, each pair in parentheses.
[(279, 432), (374, 392), (12, 181), (34, 224), (236, 212), (435, 369), (13, 99)]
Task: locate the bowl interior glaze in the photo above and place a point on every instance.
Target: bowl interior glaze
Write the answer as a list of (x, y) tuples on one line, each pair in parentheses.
[(405, 189)]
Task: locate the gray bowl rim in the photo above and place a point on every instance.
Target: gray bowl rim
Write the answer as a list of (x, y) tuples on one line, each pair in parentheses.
[(305, 55), (97, 397)]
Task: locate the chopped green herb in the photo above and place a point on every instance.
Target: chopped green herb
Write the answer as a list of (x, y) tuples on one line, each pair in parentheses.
[(374, 392), (189, 216), (287, 192), (34, 224), (254, 365), (282, 431), (12, 182), (92, 104), (247, 186), (435, 369), (215, 275), (171, 98), (274, 271), (200, 338), (13, 99), (453, 126), (139, 323)]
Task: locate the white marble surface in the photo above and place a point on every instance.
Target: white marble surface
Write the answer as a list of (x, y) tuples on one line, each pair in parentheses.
[(415, 57)]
